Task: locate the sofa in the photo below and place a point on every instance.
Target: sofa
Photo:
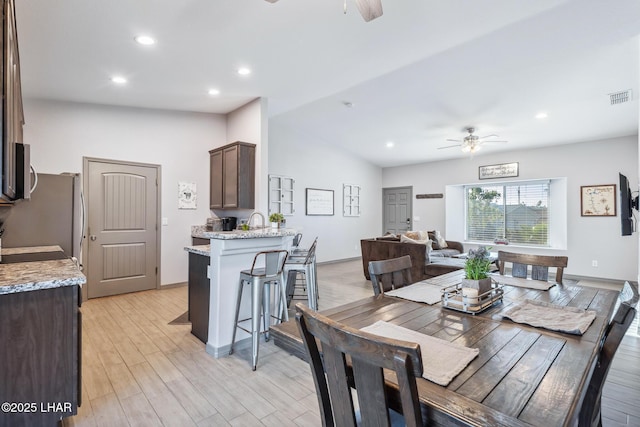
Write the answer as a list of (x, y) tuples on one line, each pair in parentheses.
[(440, 261)]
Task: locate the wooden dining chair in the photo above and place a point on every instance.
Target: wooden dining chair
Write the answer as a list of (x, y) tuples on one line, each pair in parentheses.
[(368, 355), (590, 412), (390, 274), (539, 265)]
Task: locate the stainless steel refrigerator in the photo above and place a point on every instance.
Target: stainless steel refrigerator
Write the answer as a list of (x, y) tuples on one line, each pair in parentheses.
[(53, 216)]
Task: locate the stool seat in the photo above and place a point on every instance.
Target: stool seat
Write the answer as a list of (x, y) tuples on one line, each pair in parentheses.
[(261, 279)]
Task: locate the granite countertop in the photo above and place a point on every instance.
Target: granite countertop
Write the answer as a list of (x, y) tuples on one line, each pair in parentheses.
[(201, 232), (200, 249), (36, 275)]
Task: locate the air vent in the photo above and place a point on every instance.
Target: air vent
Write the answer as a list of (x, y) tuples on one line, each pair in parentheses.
[(621, 97)]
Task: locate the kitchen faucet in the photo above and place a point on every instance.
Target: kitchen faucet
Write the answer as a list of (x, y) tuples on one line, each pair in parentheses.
[(251, 217)]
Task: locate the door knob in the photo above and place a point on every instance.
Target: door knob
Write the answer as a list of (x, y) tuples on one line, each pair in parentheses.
[(93, 238)]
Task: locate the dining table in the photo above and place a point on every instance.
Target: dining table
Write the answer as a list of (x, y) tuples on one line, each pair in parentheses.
[(522, 376)]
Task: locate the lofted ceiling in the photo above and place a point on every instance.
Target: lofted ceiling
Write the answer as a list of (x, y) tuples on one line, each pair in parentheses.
[(416, 76)]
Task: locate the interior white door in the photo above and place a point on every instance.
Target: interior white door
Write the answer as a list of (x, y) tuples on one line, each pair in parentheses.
[(122, 227), (397, 209)]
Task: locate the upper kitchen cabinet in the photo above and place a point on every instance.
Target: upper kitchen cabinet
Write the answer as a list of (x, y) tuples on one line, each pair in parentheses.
[(232, 169), (14, 156)]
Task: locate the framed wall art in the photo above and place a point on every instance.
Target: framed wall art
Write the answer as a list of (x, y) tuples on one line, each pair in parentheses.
[(503, 170), (319, 202), (187, 195), (351, 200), (598, 200)]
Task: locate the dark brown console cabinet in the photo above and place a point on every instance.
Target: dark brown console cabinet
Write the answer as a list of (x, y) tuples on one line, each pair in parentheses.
[(40, 356), (199, 296), (233, 171)]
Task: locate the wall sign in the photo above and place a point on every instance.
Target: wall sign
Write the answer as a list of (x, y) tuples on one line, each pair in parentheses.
[(319, 202), (503, 170)]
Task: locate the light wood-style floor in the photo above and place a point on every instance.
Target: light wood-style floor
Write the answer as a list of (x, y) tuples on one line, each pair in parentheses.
[(138, 370)]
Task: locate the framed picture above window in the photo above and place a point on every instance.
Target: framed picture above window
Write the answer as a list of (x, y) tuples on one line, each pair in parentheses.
[(598, 200), (503, 170), (319, 202)]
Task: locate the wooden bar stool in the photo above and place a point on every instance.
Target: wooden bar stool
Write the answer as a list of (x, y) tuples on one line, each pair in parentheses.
[(261, 279)]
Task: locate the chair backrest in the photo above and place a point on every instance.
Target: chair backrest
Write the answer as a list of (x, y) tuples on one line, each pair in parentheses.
[(312, 252), (590, 409), (369, 354), (390, 274), (539, 265), (273, 262), (296, 240)]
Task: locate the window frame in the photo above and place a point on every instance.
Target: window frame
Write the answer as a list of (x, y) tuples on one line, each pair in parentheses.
[(504, 184)]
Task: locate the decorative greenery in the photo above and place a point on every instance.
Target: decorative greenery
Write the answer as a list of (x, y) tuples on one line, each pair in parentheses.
[(276, 217), (478, 262), (244, 227)]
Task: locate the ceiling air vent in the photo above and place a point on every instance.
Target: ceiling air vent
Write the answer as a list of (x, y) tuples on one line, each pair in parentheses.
[(620, 97)]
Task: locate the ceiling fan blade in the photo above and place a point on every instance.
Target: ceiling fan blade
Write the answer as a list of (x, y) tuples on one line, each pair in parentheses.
[(449, 146), (497, 142), (488, 136), (369, 9), (454, 140)]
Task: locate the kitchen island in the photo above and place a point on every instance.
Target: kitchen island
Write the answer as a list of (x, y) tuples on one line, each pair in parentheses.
[(40, 332), (229, 253)]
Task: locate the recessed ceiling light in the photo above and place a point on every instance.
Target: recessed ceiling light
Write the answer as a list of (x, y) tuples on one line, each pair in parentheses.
[(390, 144), (214, 92), (348, 104), (145, 40), (541, 115), (243, 71), (118, 80)]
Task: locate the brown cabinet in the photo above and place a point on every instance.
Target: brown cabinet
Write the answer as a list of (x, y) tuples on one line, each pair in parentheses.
[(232, 173), (199, 296), (40, 355)]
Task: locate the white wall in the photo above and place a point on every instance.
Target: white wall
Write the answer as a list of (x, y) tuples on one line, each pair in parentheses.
[(61, 133), (249, 124), (589, 163), (313, 164)]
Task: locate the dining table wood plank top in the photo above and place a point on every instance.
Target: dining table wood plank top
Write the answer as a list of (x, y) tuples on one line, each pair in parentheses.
[(522, 376)]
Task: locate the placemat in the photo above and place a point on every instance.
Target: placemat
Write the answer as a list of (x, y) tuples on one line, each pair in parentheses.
[(551, 316), (441, 360), (521, 282), (419, 292)]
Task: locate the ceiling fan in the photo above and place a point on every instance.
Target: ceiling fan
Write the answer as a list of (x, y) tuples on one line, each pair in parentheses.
[(369, 9), (472, 143)]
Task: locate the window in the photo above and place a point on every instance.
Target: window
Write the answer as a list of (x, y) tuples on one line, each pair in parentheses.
[(281, 192), (518, 212)]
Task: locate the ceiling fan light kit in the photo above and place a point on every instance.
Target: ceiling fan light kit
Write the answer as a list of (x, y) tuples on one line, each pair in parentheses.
[(369, 9), (471, 143)]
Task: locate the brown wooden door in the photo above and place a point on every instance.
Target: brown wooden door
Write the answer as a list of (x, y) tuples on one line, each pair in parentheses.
[(122, 227), (397, 209)]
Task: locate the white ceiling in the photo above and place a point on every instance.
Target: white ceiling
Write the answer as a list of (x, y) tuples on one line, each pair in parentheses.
[(418, 75)]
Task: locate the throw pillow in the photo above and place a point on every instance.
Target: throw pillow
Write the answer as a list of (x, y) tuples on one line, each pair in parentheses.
[(441, 241), (427, 242), (432, 237), (413, 235)]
